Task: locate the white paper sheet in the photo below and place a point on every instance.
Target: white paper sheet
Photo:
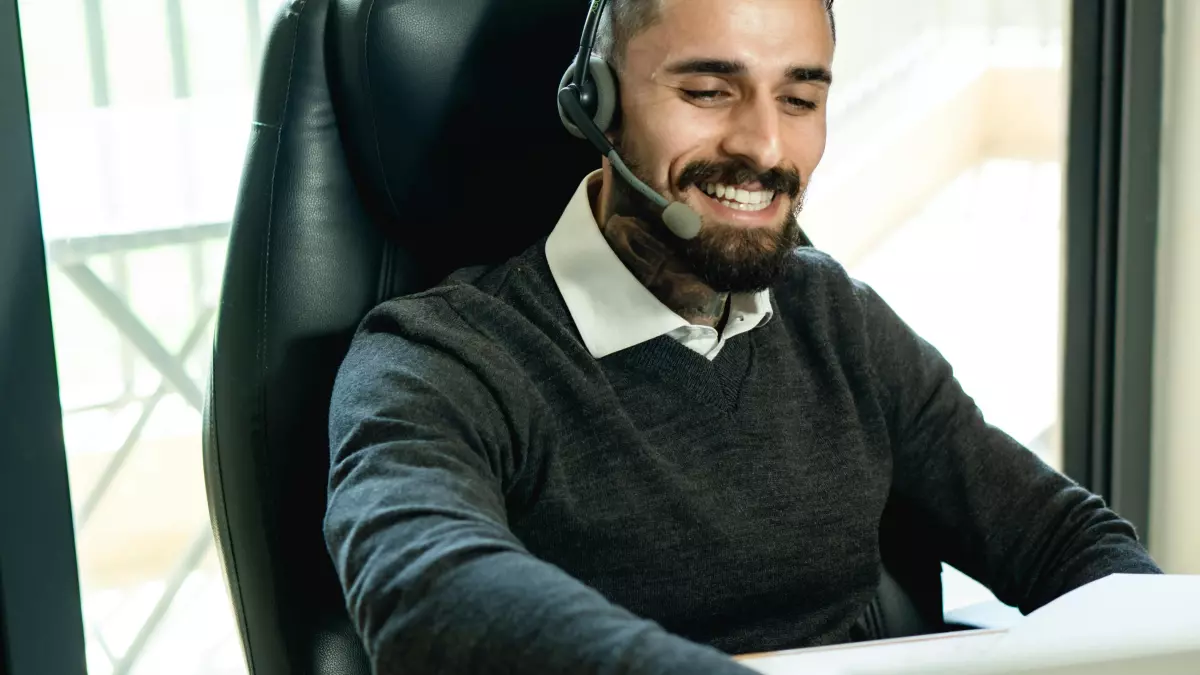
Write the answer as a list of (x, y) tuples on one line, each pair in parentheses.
[(1144, 624)]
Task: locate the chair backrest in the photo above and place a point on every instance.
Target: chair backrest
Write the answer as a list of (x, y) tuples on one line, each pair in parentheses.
[(388, 134)]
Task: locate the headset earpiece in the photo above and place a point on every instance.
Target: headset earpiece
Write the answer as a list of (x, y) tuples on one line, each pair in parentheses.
[(599, 95)]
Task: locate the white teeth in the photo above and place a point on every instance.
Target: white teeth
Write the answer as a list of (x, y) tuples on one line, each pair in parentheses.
[(740, 197), (738, 206)]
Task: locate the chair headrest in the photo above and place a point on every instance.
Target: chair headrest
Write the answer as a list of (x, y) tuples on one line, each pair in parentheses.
[(448, 112)]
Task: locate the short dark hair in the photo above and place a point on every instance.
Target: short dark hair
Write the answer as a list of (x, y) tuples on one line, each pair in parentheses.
[(623, 19)]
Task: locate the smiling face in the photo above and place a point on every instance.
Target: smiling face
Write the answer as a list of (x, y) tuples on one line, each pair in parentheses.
[(723, 109)]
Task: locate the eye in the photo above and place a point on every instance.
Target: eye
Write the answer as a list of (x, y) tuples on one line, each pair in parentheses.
[(799, 103), (704, 95)]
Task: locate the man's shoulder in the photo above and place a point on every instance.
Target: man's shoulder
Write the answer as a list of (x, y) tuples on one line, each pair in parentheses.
[(511, 300), (815, 279)]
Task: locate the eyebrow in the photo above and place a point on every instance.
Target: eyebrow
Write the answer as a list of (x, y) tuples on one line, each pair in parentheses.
[(726, 67)]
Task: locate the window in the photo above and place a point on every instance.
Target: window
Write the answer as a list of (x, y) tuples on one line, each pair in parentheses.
[(941, 188), (140, 114)]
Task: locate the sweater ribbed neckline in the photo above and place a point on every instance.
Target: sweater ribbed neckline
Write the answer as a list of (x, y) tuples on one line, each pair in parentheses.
[(717, 382)]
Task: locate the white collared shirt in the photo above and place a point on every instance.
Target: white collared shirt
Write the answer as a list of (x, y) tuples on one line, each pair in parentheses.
[(612, 309)]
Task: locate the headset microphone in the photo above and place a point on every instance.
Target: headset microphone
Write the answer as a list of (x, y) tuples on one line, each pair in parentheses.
[(586, 105), (681, 220)]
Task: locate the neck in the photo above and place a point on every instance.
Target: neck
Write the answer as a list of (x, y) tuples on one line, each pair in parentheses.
[(641, 246)]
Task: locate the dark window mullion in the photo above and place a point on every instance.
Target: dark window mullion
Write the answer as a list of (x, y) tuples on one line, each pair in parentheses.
[(1136, 261), (41, 623), (1111, 226)]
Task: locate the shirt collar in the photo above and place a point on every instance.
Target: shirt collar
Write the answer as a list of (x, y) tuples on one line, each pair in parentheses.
[(612, 309)]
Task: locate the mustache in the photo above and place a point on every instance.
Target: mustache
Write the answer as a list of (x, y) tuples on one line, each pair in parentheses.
[(778, 179)]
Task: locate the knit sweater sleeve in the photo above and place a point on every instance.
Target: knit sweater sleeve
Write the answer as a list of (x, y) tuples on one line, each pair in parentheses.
[(1005, 517), (433, 441)]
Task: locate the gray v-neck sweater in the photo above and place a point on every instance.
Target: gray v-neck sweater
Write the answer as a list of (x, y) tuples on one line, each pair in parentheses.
[(500, 501)]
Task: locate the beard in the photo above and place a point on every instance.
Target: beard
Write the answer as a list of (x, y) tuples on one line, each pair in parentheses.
[(726, 257)]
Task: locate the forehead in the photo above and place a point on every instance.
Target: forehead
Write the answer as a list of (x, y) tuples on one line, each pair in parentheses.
[(764, 34)]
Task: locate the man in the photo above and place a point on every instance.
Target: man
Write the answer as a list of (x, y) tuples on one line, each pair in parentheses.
[(628, 452)]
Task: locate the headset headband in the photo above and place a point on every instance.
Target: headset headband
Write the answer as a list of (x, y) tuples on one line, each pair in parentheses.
[(587, 43)]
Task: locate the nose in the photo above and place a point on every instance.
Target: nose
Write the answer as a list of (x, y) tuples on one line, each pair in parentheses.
[(754, 133)]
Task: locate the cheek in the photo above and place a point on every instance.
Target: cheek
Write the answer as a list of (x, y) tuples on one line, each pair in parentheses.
[(662, 139), (806, 145)]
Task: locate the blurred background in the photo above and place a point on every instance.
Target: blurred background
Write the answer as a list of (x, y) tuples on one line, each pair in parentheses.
[(945, 160)]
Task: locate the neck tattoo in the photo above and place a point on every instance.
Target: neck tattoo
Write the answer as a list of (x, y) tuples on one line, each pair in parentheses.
[(659, 268)]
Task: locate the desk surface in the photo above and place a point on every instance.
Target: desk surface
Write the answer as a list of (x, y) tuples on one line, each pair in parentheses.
[(835, 659)]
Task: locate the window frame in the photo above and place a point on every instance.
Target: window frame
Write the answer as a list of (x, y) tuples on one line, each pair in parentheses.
[(41, 621), (1111, 222)]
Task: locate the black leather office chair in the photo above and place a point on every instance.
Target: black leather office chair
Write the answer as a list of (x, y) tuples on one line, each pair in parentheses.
[(388, 134)]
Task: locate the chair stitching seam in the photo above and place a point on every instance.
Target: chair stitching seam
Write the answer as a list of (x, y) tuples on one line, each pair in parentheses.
[(387, 186), (266, 265)]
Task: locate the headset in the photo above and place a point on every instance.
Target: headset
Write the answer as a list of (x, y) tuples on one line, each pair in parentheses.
[(587, 100)]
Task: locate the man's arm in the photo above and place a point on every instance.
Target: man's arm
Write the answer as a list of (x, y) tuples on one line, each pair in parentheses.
[(1006, 518), (428, 454)]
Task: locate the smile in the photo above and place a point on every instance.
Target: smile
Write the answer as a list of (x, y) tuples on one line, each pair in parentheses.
[(739, 199)]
